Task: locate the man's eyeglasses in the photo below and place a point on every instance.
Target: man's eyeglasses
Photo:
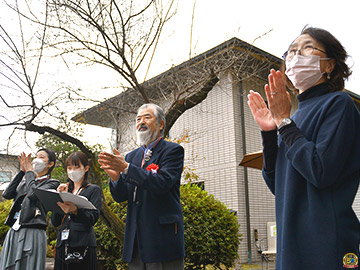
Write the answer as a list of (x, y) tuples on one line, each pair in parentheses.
[(305, 51)]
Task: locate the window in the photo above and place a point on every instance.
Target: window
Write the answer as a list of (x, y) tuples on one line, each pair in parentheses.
[(5, 176)]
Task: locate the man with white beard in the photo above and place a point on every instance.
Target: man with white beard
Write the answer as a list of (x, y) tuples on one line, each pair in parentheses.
[(148, 178)]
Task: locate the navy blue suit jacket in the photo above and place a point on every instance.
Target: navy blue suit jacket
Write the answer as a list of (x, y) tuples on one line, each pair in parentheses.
[(155, 216)]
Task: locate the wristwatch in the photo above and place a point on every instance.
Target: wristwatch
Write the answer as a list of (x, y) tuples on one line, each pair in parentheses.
[(285, 122)]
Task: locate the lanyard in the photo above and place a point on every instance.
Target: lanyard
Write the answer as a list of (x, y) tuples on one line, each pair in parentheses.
[(67, 215), (146, 157), (79, 190)]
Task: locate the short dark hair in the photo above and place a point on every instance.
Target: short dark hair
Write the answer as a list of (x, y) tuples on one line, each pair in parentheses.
[(51, 156), (75, 159), (334, 50)]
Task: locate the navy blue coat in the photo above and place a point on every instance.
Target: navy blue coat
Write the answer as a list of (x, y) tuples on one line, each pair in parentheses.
[(155, 216), (315, 181)]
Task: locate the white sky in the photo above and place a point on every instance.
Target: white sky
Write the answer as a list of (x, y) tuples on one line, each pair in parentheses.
[(217, 21)]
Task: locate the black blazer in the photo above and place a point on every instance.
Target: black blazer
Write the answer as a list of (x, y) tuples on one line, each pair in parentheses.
[(81, 225), (21, 189)]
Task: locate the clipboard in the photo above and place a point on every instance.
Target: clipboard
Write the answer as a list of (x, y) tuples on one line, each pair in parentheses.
[(50, 197)]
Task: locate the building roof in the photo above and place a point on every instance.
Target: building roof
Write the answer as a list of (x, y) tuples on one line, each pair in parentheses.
[(105, 113), (6, 156), (101, 114)]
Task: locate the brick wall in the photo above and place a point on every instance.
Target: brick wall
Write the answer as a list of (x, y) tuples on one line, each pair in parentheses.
[(216, 149)]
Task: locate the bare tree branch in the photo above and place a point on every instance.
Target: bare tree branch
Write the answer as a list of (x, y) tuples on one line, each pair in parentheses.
[(108, 216), (181, 104)]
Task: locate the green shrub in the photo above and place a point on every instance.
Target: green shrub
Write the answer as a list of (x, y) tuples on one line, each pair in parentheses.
[(211, 230), (51, 232), (109, 247), (4, 212)]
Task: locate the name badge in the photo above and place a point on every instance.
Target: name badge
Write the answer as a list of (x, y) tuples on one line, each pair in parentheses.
[(65, 234), (16, 216), (16, 225), (37, 212)]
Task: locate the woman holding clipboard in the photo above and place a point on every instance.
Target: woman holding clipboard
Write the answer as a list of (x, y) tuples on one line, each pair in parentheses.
[(76, 242)]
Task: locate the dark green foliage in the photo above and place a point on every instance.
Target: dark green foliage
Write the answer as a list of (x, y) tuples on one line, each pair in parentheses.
[(109, 246), (51, 232), (4, 211), (211, 230)]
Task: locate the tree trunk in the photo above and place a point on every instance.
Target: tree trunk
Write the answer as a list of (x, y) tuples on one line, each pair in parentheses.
[(115, 224)]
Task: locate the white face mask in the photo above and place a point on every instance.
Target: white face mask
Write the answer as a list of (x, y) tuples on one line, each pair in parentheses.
[(76, 175), (38, 165), (304, 71)]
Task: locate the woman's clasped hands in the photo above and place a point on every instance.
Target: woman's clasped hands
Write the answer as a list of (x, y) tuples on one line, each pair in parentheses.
[(25, 162), (279, 103)]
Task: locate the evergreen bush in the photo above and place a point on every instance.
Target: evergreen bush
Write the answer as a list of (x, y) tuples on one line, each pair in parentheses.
[(4, 212), (109, 247), (211, 230)]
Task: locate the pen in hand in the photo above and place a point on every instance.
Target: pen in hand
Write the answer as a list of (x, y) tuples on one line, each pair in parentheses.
[(62, 188)]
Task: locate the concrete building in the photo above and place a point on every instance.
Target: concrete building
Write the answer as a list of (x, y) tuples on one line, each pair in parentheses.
[(221, 129), (9, 167)]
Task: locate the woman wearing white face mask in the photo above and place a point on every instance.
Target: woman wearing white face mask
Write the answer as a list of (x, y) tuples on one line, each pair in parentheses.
[(25, 244), (76, 242), (312, 160)]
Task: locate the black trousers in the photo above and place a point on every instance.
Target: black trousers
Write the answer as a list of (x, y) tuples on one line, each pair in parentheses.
[(138, 264)]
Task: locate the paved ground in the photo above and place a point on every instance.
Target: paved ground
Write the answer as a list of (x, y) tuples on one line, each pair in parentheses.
[(49, 264), (258, 266), (250, 267)]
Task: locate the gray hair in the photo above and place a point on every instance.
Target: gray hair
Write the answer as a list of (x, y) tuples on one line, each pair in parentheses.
[(159, 114)]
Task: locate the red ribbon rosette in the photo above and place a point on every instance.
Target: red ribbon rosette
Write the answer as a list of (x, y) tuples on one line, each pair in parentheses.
[(152, 167)]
